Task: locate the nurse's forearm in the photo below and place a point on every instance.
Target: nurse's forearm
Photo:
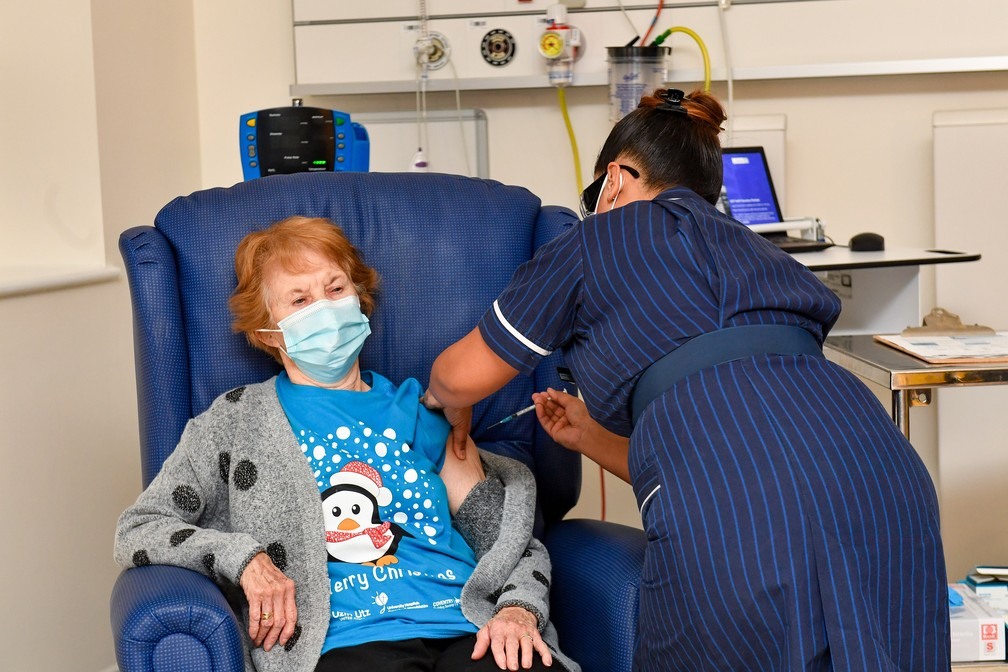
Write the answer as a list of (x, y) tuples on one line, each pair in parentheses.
[(468, 371), (609, 451)]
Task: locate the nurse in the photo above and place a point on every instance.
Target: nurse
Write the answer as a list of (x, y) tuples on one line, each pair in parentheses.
[(790, 525)]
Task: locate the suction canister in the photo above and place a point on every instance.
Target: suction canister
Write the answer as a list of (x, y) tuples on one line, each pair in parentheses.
[(634, 71)]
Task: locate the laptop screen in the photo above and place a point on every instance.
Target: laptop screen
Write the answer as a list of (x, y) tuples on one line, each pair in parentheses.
[(748, 194)]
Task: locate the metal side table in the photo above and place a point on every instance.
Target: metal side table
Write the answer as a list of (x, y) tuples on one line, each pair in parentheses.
[(910, 380)]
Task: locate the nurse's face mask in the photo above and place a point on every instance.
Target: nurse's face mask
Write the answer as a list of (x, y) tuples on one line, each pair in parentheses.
[(592, 195)]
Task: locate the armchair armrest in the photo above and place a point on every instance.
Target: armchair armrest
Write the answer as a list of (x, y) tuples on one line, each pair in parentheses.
[(162, 614), (595, 593)]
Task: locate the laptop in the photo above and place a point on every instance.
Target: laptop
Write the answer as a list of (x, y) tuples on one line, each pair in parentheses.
[(748, 195)]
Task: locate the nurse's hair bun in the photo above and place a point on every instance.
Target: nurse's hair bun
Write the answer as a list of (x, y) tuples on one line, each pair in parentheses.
[(702, 108)]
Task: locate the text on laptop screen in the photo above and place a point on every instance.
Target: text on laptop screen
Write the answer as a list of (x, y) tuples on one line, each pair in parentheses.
[(748, 189)]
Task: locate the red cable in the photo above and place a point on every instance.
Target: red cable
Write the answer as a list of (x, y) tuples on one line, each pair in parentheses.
[(661, 3), (601, 474)]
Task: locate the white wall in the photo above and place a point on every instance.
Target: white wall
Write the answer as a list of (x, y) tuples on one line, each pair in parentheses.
[(245, 62), (170, 80), (50, 206), (969, 176), (68, 457)]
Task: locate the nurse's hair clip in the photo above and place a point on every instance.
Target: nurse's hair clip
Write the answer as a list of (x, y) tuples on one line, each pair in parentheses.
[(672, 101)]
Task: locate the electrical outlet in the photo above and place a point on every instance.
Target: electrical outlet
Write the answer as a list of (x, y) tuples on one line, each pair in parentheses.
[(498, 47)]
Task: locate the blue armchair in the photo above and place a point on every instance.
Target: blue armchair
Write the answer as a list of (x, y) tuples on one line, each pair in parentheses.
[(444, 246)]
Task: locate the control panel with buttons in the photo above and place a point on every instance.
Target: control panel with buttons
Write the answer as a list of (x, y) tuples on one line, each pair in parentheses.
[(297, 139)]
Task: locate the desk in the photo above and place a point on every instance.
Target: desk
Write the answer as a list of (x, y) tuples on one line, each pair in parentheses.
[(880, 291), (909, 379), (839, 257)]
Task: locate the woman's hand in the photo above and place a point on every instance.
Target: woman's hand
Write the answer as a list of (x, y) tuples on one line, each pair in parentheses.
[(565, 418), (513, 636), (270, 595), (461, 471)]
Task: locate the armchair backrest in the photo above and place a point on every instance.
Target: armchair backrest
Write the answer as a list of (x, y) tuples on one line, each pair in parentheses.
[(443, 245)]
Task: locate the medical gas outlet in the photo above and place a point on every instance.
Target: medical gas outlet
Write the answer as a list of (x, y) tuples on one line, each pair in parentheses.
[(432, 51), (560, 45)]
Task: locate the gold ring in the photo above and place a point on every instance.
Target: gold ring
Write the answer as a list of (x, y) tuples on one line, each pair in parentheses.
[(266, 615), (524, 636)]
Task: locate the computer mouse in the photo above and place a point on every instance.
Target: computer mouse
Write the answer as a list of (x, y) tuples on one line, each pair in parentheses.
[(867, 242)]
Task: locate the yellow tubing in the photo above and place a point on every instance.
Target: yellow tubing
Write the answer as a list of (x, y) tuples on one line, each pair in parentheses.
[(700, 43), (562, 96)]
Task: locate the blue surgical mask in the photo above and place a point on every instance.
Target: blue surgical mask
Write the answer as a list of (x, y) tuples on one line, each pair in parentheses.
[(324, 338)]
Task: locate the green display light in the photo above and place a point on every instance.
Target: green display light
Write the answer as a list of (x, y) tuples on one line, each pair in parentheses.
[(319, 162)]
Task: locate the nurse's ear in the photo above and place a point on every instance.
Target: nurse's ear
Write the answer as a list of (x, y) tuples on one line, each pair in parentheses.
[(613, 187), (613, 184)]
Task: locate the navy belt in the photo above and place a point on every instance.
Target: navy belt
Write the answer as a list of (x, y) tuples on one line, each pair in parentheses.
[(718, 347)]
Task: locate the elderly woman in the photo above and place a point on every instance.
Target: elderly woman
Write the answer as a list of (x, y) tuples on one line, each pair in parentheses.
[(344, 555)]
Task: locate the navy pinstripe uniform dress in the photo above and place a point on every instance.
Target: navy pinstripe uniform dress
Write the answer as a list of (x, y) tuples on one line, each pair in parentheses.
[(790, 525)]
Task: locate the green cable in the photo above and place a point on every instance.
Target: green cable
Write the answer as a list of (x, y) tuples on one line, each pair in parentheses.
[(700, 43)]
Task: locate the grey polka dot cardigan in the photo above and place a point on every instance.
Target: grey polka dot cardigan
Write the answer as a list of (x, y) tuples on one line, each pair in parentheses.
[(238, 484)]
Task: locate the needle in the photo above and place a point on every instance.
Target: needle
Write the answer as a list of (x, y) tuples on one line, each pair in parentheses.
[(513, 416)]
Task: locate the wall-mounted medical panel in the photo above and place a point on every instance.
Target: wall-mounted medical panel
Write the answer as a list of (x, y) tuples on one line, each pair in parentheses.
[(341, 10), (346, 47), (381, 57)]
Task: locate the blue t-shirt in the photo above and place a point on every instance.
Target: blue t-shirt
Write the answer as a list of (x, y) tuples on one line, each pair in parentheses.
[(396, 565)]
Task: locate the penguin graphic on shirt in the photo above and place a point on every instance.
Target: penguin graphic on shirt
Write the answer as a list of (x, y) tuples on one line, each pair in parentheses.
[(354, 529)]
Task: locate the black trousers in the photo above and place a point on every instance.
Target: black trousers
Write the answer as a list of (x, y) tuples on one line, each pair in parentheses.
[(416, 655)]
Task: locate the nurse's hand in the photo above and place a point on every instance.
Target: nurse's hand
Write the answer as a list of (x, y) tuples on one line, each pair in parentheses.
[(459, 418), (565, 418), (461, 422)]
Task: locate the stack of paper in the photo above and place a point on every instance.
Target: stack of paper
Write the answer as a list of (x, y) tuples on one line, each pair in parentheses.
[(990, 583), (966, 349)]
